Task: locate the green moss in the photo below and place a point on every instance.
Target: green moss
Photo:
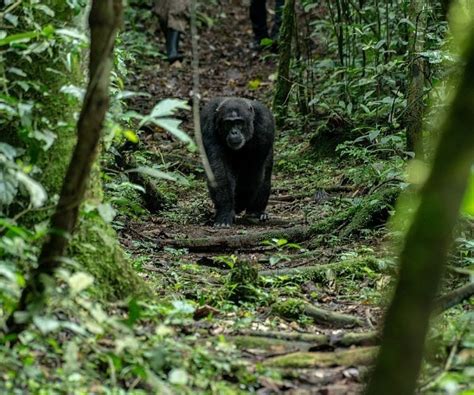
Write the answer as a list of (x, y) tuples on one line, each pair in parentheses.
[(372, 211), (96, 248), (290, 308)]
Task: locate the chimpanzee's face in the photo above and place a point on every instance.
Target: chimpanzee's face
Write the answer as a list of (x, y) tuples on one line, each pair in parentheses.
[(235, 123)]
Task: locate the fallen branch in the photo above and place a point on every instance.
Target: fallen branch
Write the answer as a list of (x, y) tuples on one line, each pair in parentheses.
[(245, 241), (332, 318), (269, 344), (314, 272), (294, 308), (305, 360), (453, 298), (343, 339)]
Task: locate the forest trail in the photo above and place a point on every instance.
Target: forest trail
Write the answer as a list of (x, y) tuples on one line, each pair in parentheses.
[(316, 352)]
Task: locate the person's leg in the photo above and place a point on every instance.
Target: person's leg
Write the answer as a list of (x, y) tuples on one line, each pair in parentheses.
[(173, 16), (258, 17), (178, 16)]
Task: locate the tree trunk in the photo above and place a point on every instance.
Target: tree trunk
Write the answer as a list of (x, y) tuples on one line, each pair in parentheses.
[(104, 20), (416, 80), (283, 84), (426, 245)]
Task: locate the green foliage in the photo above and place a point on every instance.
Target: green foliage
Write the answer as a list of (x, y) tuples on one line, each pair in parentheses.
[(242, 283)]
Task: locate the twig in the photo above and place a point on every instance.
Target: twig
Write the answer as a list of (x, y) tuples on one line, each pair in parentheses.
[(196, 120)]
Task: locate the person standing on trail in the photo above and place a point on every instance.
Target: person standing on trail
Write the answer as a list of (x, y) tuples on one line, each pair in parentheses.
[(173, 16), (258, 17)]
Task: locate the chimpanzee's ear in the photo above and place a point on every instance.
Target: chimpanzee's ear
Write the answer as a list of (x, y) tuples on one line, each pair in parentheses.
[(251, 109)]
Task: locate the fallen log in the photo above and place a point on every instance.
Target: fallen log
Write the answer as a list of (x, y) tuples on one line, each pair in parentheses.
[(233, 242), (314, 272), (339, 339), (294, 308), (307, 360), (453, 298)]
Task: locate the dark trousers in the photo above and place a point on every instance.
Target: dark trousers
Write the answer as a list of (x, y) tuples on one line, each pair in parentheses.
[(258, 16)]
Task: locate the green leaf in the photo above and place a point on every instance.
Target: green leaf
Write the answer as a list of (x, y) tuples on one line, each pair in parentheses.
[(178, 377), (46, 324), (19, 37), (107, 212), (48, 11), (72, 33), (172, 126), (45, 136), (131, 136), (7, 150), (254, 84), (80, 281), (134, 312), (37, 193), (8, 187), (149, 171), (168, 107)]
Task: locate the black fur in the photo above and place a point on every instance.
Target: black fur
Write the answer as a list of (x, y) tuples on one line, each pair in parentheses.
[(238, 137)]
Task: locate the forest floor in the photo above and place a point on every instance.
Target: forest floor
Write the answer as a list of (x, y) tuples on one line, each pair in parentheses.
[(282, 329)]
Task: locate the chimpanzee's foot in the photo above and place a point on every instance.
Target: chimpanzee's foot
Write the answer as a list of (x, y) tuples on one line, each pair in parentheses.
[(224, 220), (262, 216)]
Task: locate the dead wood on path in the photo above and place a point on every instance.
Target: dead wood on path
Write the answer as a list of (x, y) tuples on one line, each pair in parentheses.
[(232, 242)]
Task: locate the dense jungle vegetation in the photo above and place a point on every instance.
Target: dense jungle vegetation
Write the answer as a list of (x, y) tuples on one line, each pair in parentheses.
[(113, 279)]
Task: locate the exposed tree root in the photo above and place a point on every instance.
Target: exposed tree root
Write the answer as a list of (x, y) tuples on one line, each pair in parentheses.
[(305, 360), (453, 298), (269, 344), (315, 272), (332, 318), (295, 308), (344, 339), (245, 241)]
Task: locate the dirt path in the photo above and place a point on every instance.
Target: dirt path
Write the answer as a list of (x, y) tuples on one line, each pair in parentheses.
[(188, 258)]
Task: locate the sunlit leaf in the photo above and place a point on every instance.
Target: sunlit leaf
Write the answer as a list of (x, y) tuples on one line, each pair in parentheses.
[(172, 126), (72, 33), (153, 173), (178, 377), (37, 193), (254, 84), (80, 281), (7, 150), (131, 136), (46, 324), (168, 107), (107, 212), (8, 187)]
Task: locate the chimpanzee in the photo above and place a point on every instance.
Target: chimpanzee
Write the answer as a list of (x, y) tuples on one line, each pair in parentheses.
[(238, 138)]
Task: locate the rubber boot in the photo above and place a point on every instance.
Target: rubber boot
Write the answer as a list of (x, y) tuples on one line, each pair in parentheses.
[(172, 46)]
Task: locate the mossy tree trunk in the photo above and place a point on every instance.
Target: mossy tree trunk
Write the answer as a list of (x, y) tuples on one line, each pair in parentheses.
[(416, 79), (426, 245), (114, 276), (283, 84)]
